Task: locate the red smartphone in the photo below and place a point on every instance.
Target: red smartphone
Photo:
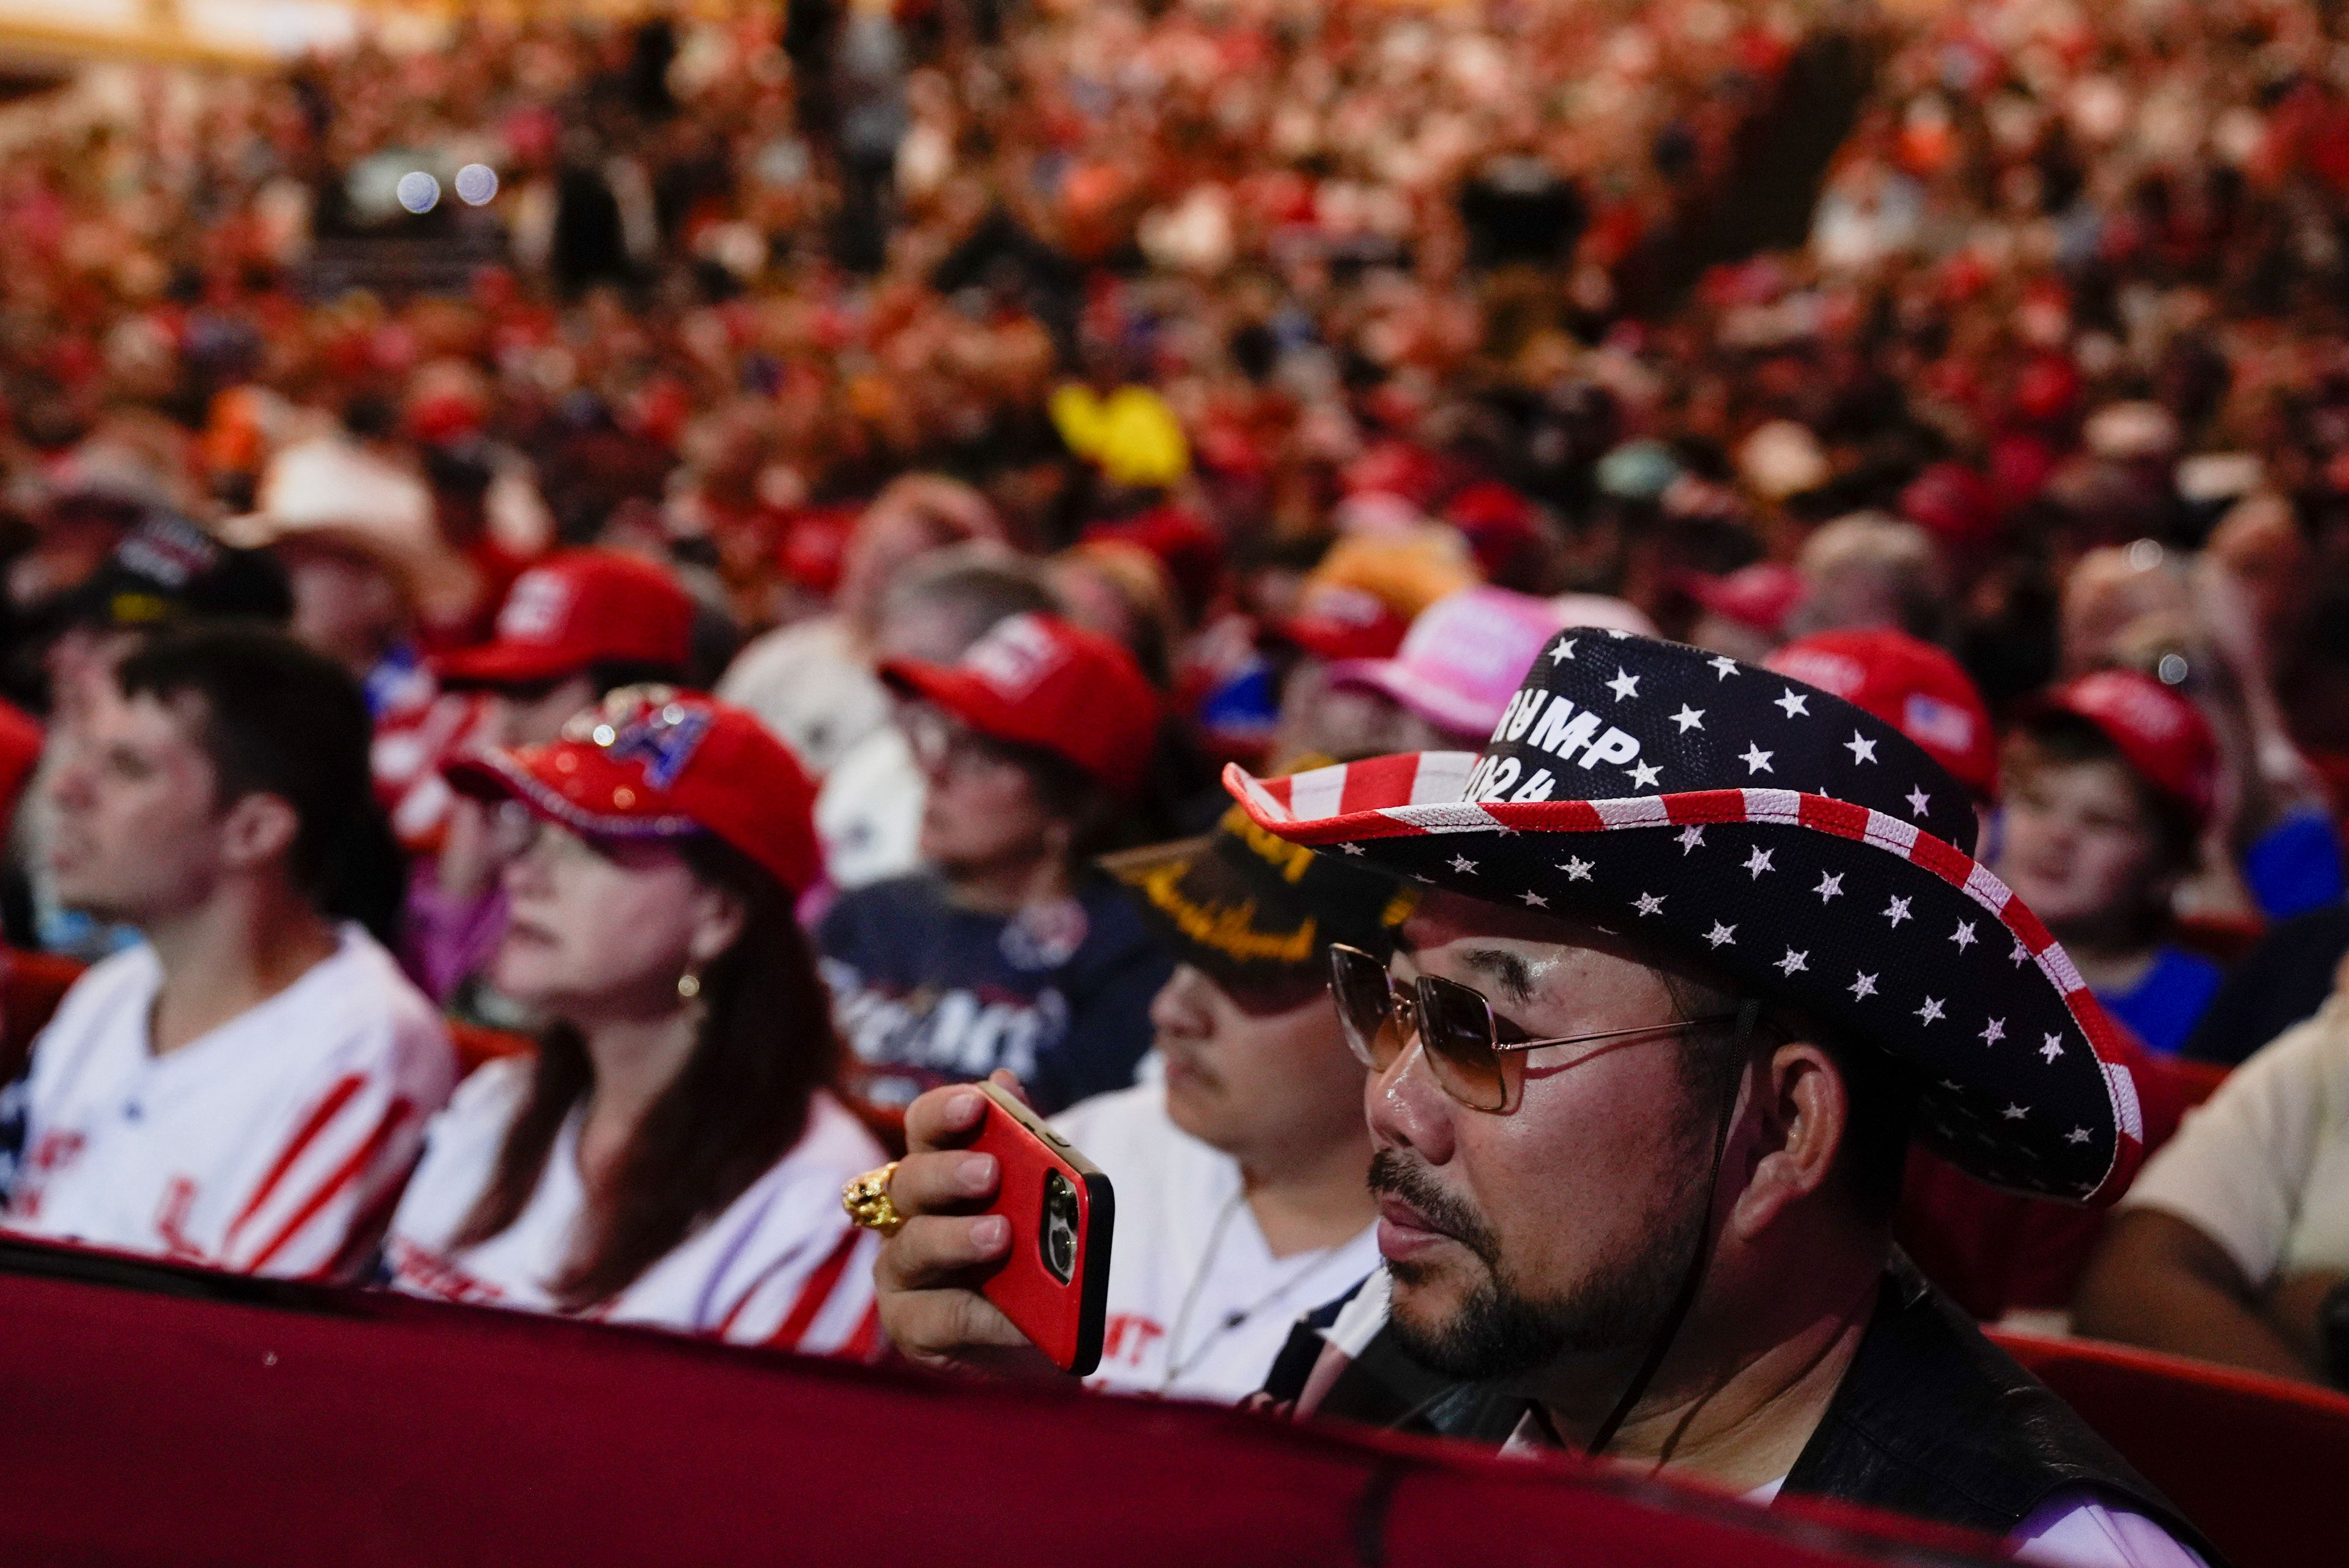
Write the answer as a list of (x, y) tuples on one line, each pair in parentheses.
[(1055, 1286)]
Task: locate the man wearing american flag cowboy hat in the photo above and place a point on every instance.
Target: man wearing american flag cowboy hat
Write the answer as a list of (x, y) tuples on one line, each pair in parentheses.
[(1699, 949)]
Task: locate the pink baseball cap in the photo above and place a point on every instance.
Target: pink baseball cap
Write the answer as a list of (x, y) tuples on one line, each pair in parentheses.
[(1463, 659)]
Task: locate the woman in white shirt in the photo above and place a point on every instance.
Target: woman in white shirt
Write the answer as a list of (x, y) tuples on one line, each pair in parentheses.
[(671, 1156)]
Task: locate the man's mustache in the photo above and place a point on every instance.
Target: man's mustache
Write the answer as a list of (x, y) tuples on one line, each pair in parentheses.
[(1410, 1180)]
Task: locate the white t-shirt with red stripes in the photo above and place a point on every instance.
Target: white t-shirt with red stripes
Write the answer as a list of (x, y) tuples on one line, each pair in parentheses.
[(781, 1267), (275, 1144)]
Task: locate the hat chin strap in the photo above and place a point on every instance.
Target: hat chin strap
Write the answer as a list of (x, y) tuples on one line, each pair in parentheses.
[(1748, 1013)]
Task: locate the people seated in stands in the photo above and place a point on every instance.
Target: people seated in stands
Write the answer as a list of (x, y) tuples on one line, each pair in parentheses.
[(812, 680), (672, 1154), (2233, 1245), (2272, 849), (1912, 685), (166, 571), (1641, 1077), (868, 810), (1446, 686), (575, 628), (2108, 787), (1011, 952), (1239, 1160), (2001, 1255), (247, 1088)]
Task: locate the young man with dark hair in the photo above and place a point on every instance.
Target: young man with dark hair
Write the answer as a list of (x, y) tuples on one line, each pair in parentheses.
[(247, 1088), (1700, 946), (165, 573), (2109, 784)]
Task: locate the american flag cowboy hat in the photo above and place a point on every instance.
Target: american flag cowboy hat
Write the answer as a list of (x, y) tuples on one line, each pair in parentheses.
[(1807, 848)]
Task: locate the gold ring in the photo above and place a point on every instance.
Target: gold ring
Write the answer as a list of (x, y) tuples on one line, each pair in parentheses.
[(866, 1199)]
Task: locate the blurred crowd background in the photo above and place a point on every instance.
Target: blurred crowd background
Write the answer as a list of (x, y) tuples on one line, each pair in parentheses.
[(1577, 297), (1240, 332)]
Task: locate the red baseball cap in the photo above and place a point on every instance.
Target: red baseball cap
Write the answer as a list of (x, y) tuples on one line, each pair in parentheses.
[(2165, 737), (1759, 596), (1910, 685), (652, 762), (1035, 680), (1339, 620), (577, 608)]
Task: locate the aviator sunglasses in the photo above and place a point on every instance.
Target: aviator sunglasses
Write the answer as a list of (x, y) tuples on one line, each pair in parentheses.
[(1467, 1045)]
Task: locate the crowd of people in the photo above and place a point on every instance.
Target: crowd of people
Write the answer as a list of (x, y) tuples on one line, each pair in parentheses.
[(770, 622)]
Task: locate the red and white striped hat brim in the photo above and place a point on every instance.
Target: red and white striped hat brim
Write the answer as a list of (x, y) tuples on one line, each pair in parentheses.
[(1355, 807)]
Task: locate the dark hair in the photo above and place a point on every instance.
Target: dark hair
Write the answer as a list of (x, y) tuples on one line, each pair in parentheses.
[(605, 675), (1880, 1093), (280, 720), (741, 1100), (2055, 738), (1098, 823), (608, 675)]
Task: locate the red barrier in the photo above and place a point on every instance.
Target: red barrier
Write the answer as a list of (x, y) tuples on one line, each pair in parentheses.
[(168, 1417), (2252, 1460)]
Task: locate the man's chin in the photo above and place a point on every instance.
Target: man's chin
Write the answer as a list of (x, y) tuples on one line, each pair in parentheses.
[(1193, 1107), (1471, 1331), (84, 900), (1426, 1299)]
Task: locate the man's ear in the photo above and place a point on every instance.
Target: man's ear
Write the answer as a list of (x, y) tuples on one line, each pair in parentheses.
[(1805, 1111), (718, 920), (256, 828)]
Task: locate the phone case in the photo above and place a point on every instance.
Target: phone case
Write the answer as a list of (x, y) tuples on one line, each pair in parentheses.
[(1064, 1320)]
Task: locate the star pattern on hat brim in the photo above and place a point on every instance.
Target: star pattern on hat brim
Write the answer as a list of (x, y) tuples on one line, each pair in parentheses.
[(1909, 982)]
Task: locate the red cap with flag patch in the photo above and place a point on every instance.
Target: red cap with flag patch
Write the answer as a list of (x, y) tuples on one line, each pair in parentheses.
[(578, 608), (1910, 685), (1035, 680), (2165, 737), (651, 762)]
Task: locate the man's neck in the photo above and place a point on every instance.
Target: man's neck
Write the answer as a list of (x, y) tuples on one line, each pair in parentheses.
[(244, 946), (1309, 1200), (1735, 1404), (1007, 887)]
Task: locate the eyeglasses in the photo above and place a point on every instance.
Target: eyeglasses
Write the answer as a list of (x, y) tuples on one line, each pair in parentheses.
[(1456, 1027), (941, 746)]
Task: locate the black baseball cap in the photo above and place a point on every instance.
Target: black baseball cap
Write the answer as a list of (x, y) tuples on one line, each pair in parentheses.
[(169, 569), (1257, 913)]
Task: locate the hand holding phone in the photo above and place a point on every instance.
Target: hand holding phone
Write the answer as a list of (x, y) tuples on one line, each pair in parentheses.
[(1054, 1283), (941, 1276)]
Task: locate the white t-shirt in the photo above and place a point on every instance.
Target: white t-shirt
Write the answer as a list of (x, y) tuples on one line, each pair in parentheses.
[(1198, 1306), (274, 1145), (809, 684), (2262, 1168), (781, 1266), (868, 811)]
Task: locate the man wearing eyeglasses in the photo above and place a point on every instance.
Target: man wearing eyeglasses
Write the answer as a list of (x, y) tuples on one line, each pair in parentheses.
[(1700, 947)]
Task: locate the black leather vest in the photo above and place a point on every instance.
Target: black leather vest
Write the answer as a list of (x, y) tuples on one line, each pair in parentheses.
[(1932, 1420)]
